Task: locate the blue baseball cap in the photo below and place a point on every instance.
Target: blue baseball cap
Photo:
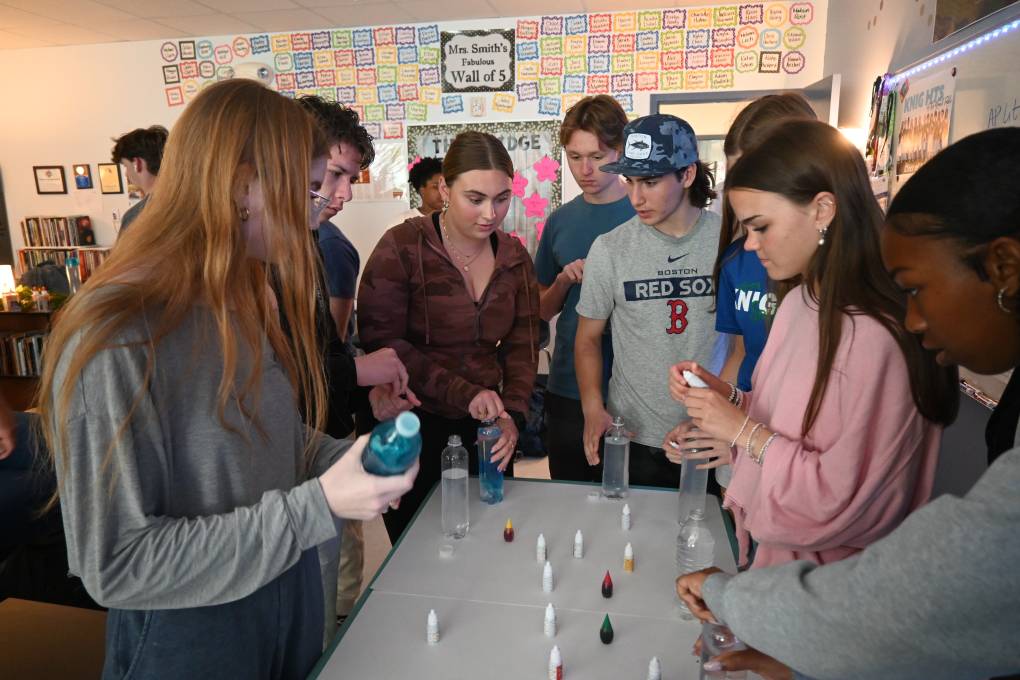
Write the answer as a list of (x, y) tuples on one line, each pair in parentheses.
[(655, 145)]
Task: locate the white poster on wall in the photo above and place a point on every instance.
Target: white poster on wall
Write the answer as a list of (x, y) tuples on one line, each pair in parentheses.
[(926, 108)]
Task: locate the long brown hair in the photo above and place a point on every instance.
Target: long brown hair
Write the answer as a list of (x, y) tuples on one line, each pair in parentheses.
[(845, 276), (187, 247), (749, 128)]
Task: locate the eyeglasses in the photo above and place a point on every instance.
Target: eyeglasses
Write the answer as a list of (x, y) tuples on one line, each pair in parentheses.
[(318, 200)]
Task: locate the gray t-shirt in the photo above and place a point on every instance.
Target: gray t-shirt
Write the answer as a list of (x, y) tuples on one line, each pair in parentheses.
[(658, 291), (187, 513)]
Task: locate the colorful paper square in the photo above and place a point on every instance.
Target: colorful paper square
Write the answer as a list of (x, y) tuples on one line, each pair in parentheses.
[(527, 70), (387, 54), (280, 42), (395, 111), (407, 92), (503, 102), (549, 106), (407, 54), (696, 80), (551, 45), (624, 42), (364, 57), (696, 59), (375, 112), (674, 18), (649, 40), (527, 30), (574, 64), (342, 39), (416, 111), (647, 61), (384, 36), (576, 24), (428, 56), (453, 103), (549, 86), (363, 37), (623, 63), (386, 74), (598, 84), (552, 66), (430, 94), (722, 79), (600, 23), (428, 34), (346, 95), (624, 22), (552, 25), (527, 92), (404, 35), (699, 18), (722, 58), (623, 82), (752, 14), (671, 81), (527, 50), (647, 81), (725, 15)]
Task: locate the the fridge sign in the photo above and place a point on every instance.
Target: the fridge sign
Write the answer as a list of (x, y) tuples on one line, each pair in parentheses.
[(478, 61)]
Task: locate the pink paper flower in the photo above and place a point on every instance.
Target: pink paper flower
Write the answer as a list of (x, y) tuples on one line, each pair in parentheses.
[(414, 162), (520, 184), (535, 205), (546, 168)]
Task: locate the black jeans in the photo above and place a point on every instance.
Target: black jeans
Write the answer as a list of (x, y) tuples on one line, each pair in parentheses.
[(650, 467), (435, 431), (564, 440)]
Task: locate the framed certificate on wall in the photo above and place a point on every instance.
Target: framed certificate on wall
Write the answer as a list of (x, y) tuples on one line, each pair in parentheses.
[(49, 179), (109, 179)]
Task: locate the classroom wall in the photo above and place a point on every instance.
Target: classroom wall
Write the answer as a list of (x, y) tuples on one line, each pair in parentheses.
[(63, 105)]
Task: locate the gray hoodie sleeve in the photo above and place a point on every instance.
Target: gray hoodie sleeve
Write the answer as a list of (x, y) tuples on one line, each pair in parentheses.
[(937, 598), (129, 553)]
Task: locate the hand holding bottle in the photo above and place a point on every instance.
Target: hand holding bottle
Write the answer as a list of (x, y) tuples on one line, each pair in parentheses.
[(352, 493), (506, 445), (486, 405), (679, 387), (595, 425), (686, 441)]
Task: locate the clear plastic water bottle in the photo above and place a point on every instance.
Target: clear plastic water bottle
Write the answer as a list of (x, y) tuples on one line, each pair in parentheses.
[(454, 463), (693, 485), (73, 275), (393, 446), (695, 550), (616, 461), (490, 478), (716, 638)]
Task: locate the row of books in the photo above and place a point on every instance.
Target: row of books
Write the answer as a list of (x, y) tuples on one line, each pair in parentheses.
[(55, 232), (21, 353), (89, 259)]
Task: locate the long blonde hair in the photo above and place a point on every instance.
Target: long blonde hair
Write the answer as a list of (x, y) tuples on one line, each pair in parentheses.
[(188, 247)]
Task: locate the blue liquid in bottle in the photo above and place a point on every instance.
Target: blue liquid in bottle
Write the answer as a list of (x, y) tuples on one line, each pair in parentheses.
[(393, 446), (490, 478)]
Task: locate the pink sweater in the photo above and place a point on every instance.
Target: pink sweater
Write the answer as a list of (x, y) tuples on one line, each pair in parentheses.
[(867, 462)]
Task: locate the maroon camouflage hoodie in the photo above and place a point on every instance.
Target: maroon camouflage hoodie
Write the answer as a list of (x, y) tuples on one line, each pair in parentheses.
[(413, 298)]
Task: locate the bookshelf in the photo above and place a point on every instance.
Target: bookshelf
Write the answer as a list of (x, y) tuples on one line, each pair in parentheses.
[(54, 239), (21, 340)]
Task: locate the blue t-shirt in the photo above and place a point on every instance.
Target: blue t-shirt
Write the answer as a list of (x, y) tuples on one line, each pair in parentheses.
[(568, 235), (341, 261), (744, 305)]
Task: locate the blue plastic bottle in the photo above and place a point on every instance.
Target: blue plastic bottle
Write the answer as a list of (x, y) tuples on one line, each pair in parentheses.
[(490, 477), (393, 446)]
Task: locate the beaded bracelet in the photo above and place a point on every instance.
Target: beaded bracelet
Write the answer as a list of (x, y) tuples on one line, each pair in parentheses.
[(733, 393), (761, 454), (742, 426), (750, 437)]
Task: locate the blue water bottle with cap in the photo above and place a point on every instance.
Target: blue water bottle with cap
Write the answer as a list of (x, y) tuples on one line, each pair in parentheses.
[(393, 446)]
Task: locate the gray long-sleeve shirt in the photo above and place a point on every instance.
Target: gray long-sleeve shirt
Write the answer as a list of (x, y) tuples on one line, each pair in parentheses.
[(937, 598), (188, 513)]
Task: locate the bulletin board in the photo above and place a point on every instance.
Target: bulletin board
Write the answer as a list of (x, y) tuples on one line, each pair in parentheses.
[(394, 76), (981, 66), (534, 147)]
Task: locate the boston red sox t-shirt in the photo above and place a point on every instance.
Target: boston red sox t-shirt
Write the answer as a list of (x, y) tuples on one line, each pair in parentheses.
[(658, 291)]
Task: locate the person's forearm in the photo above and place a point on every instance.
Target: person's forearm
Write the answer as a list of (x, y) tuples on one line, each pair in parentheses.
[(552, 298), (588, 366), (735, 357)]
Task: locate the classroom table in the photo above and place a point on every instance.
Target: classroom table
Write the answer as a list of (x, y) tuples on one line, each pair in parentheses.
[(489, 599)]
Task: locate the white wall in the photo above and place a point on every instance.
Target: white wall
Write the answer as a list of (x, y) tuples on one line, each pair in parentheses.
[(63, 105), (900, 34)]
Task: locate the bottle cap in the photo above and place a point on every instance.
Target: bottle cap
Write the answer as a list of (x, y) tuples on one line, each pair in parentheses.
[(618, 421), (446, 550), (454, 440), (407, 424)]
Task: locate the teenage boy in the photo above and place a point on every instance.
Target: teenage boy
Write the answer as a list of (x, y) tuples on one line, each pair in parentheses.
[(591, 135), (140, 152), (350, 151), (653, 277)]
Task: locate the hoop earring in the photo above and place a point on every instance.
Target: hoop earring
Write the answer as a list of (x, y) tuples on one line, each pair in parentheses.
[(244, 213), (999, 300), (821, 236)]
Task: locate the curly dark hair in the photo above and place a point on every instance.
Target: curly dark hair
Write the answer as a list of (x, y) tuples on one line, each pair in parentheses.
[(423, 171), (145, 143), (341, 124)]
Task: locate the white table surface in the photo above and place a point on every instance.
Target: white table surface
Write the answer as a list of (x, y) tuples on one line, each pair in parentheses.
[(489, 597)]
